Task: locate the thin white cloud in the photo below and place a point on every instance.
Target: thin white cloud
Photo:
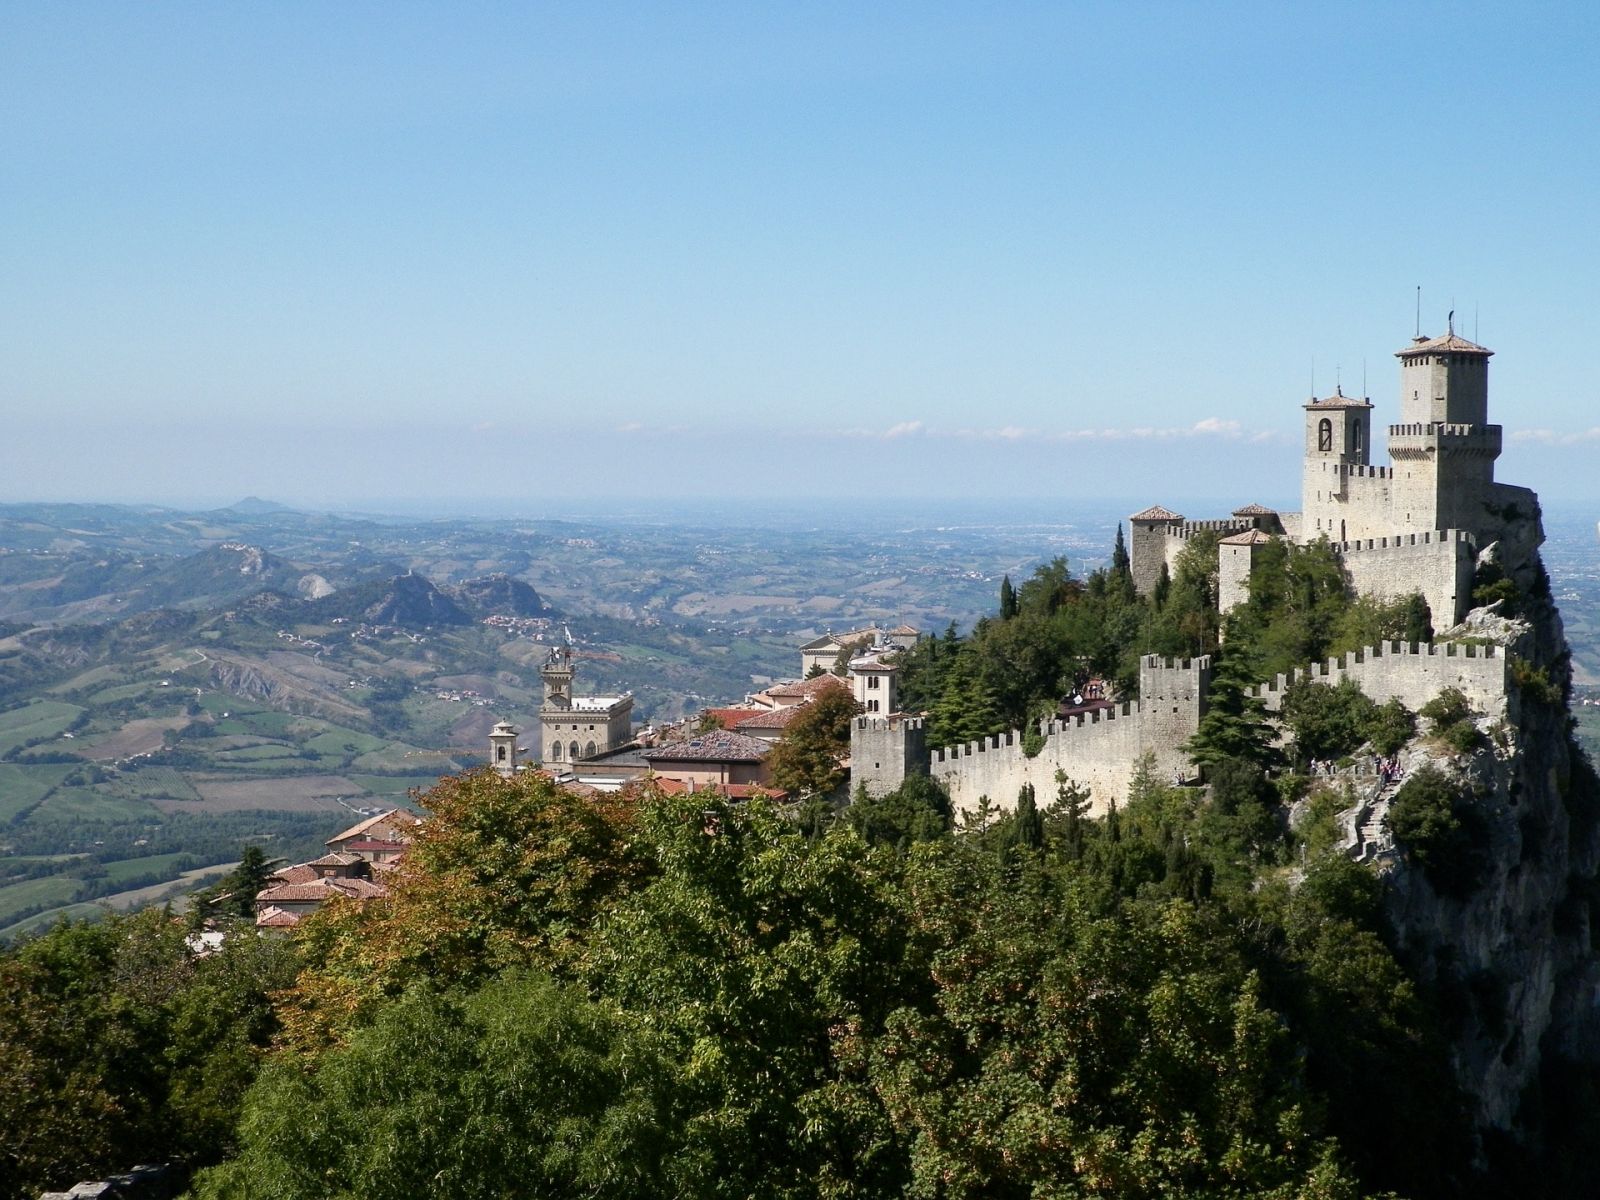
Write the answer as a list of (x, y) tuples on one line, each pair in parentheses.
[(901, 429), (1556, 437)]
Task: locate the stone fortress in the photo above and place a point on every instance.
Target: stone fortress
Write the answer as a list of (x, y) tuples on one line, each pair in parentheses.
[(1419, 525)]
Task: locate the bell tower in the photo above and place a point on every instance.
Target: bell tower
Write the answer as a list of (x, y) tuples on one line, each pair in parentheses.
[(1338, 444), (503, 749), (557, 676)]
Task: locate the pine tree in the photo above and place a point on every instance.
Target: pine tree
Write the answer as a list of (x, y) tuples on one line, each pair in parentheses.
[(1008, 599), (1235, 724), (1120, 563), (1027, 826)]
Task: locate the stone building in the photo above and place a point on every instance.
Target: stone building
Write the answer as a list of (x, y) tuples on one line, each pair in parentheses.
[(574, 728), (1416, 525), (1419, 525)]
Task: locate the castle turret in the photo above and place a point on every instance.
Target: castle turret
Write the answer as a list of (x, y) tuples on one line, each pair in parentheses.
[(503, 749), (1147, 545), (1444, 449), (1338, 445)]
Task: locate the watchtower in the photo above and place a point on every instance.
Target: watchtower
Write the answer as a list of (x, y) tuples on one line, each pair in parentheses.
[(503, 749), (1444, 449), (557, 676), (1338, 445)]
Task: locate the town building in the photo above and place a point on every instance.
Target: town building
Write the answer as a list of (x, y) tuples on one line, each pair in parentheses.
[(574, 728)]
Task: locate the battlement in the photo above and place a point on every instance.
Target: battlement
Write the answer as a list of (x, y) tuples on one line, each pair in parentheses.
[(1050, 730), (1188, 529), (1412, 672), (1437, 537), (1363, 471), (889, 723)]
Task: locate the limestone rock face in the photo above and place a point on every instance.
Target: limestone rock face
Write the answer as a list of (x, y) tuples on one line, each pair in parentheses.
[(1512, 962)]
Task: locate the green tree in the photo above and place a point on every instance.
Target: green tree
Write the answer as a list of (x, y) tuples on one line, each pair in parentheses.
[(1235, 723), (1008, 599), (1327, 722), (808, 758), (455, 1095)]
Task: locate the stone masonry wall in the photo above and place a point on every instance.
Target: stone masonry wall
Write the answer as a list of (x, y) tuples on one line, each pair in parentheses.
[(1413, 673), (1097, 751), (1439, 565)]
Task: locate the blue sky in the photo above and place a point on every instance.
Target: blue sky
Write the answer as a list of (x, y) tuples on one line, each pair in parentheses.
[(485, 254)]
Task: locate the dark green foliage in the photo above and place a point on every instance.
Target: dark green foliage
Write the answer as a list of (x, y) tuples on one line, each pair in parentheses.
[(1008, 599), (1442, 829), (1392, 725), (1026, 827), (1449, 717), (806, 760), (118, 1046), (519, 1088), (1299, 600), (1235, 724), (1327, 722), (1491, 584), (917, 811)]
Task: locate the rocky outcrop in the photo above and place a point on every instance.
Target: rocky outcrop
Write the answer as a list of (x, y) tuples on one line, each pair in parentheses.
[(1510, 962)]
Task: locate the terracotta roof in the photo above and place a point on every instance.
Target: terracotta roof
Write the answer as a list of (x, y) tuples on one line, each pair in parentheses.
[(337, 858), (770, 718), (733, 791), (719, 745), (1250, 537), (841, 639), (321, 889), (1156, 513), (729, 718), (808, 689), (1339, 400), (871, 663), (906, 631), (1450, 343), (400, 815), (276, 918), (1255, 510), (299, 873)]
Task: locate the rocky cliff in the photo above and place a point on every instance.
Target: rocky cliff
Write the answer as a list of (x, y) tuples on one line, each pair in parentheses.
[(1509, 958)]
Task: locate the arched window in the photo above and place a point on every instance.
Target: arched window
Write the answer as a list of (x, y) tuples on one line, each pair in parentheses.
[(1355, 437), (1325, 435), (555, 751), (574, 750), (588, 751), (500, 753)]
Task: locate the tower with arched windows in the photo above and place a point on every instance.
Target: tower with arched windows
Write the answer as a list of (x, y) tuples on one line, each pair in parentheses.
[(574, 728), (1338, 448)]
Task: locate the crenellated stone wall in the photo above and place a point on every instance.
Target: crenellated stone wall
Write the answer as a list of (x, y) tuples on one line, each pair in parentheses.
[(1413, 673), (1098, 750)]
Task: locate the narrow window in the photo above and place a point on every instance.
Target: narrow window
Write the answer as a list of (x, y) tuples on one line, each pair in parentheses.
[(1325, 435)]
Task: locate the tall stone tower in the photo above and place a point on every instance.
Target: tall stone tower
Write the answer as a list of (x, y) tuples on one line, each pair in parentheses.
[(1338, 444), (1444, 448), (503, 749), (557, 676)]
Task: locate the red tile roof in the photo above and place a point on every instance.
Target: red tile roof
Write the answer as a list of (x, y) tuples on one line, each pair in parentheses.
[(729, 718), (769, 718), (807, 688), (733, 791), (400, 817), (299, 873), (1450, 343), (719, 745), (1255, 510), (1339, 400), (1156, 513), (1250, 537), (319, 890), (276, 918)]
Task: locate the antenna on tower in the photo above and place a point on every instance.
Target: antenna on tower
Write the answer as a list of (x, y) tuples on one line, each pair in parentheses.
[(1474, 320), (1313, 376), (1450, 321), (1419, 310), (1363, 379)]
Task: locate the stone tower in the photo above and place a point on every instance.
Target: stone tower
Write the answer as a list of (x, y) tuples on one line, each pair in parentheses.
[(1338, 445), (557, 676), (1444, 449), (503, 749), (1147, 545)]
